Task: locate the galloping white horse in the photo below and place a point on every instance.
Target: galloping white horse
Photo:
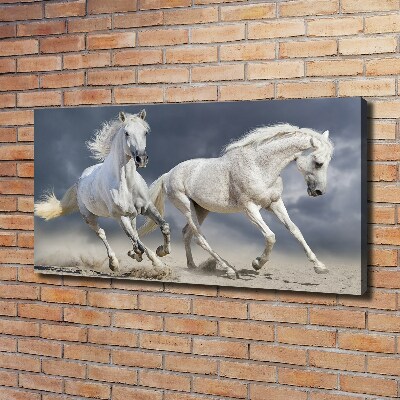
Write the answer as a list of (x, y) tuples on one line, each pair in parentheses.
[(245, 179), (113, 188)]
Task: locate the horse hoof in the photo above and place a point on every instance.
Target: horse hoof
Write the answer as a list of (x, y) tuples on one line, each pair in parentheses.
[(256, 264), (321, 269), (160, 251), (135, 256), (232, 274), (113, 264)]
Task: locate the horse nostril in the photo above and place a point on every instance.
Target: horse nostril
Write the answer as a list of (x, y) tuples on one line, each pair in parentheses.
[(138, 159), (318, 192)]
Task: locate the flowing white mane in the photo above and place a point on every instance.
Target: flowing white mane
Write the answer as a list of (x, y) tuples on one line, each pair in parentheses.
[(100, 144), (273, 132)]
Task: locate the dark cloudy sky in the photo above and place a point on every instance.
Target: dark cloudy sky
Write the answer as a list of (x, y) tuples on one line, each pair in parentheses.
[(330, 223)]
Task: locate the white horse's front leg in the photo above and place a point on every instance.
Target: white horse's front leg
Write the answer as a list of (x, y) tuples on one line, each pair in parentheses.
[(153, 214), (133, 235), (253, 213), (279, 209)]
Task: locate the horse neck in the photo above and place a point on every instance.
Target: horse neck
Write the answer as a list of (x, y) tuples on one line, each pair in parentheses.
[(122, 167), (276, 155)]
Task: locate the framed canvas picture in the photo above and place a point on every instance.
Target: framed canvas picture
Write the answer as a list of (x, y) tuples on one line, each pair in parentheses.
[(253, 194)]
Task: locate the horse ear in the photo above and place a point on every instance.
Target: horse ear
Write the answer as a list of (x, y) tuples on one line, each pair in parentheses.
[(313, 142), (326, 134), (142, 114), (121, 116)]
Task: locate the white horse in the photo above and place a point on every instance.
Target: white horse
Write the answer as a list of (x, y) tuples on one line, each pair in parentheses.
[(245, 179), (113, 188)]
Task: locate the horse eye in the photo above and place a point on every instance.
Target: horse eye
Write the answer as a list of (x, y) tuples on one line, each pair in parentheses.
[(318, 165), (126, 133)]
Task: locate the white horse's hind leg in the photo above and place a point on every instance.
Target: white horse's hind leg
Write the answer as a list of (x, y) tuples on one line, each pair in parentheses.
[(133, 235), (91, 220), (279, 209), (253, 213), (187, 233), (186, 207)]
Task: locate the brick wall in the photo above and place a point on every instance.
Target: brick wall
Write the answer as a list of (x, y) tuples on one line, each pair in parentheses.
[(67, 338)]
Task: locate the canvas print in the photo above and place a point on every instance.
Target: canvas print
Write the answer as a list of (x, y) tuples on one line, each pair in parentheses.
[(258, 194)]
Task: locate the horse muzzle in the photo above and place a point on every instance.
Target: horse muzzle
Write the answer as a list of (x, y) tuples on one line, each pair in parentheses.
[(141, 160), (313, 192)]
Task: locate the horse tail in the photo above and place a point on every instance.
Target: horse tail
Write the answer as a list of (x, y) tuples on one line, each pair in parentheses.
[(50, 207), (157, 196)]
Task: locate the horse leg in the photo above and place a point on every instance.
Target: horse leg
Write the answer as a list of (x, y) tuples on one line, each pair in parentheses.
[(91, 220), (253, 213), (187, 233), (186, 207), (133, 235), (153, 214), (279, 209), (138, 249)]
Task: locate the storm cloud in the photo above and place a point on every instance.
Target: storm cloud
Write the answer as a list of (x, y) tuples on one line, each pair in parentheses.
[(330, 223)]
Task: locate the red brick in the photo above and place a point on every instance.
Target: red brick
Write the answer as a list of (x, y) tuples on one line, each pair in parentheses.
[(15, 256), (123, 393), (8, 169), (112, 300), (165, 342), (25, 170), (334, 67), (16, 186), (41, 63), (27, 274), (19, 362), (15, 82), (258, 392), (351, 6), (383, 172), (39, 347), (111, 40), (307, 337), (65, 9), (106, 7), (310, 48), (163, 75), (194, 365), (223, 33), (383, 322), (25, 204), (266, 312), (297, 377), (335, 26), (64, 368), (63, 332), (340, 318), (113, 337), (19, 328), (151, 4), (243, 12), (386, 235), (25, 134), (220, 387), (88, 60), (7, 31), (63, 79), (115, 77), (246, 92), (87, 317), (163, 37), (218, 308), (137, 358), (21, 12), (305, 90), (89, 24), (8, 203), (14, 394), (62, 44), (367, 87), (138, 20), (8, 378), (87, 389), (367, 45), (382, 66), (17, 117), (8, 344), (39, 99), (8, 135), (247, 371), (138, 94), (86, 353), (87, 96), (385, 109), (7, 239), (40, 311), (8, 273), (366, 342), (164, 380), (38, 382), (279, 354), (188, 55), (191, 16), (368, 385), (112, 374), (247, 52), (138, 321), (340, 361), (307, 7), (218, 73), (7, 100), (42, 28), (8, 308), (384, 365), (63, 295), (276, 29), (190, 326), (137, 57), (164, 304), (223, 348), (7, 65)]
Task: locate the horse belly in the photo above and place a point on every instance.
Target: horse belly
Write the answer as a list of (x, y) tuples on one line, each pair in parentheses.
[(89, 196)]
